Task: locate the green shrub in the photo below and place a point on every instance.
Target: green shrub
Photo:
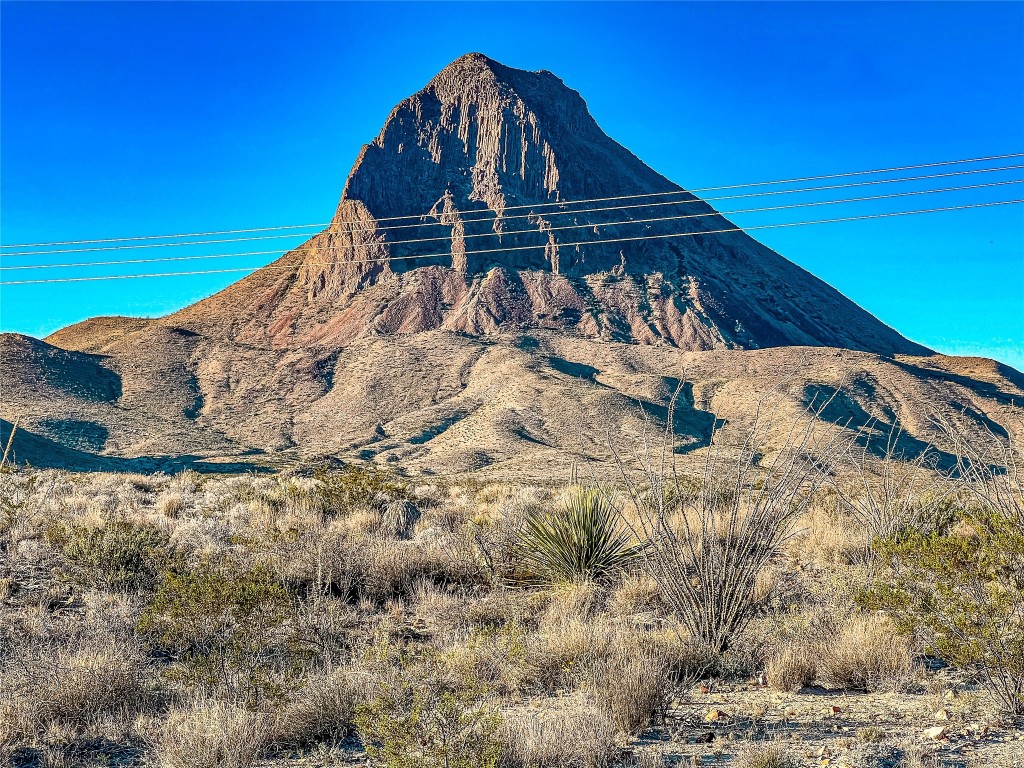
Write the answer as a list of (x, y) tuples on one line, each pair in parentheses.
[(582, 541), (120, 555), (226, 627), (360, 487), (965, 587), (422, 718)]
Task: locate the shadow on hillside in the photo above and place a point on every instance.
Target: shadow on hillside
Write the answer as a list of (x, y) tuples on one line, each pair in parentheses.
[(41, 452), (878, 436), (692, 428)]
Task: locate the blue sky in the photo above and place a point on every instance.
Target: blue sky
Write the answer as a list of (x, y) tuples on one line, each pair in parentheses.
[(121, 119)]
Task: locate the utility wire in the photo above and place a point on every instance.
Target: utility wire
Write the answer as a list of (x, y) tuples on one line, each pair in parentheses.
[(536, 205), (519, 247), (525, 215), (156, 259)]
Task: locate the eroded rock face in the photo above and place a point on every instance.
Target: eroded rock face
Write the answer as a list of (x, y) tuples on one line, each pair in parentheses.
[(460, 215)]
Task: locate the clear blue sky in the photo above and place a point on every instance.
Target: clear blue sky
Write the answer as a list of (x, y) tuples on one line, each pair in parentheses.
[(127, 119)]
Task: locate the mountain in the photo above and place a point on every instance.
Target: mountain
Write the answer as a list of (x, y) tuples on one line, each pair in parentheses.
[(479, 170), (462, 308)]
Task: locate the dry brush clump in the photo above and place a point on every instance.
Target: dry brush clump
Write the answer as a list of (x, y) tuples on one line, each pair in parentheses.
[(850, 652), (211, 733)]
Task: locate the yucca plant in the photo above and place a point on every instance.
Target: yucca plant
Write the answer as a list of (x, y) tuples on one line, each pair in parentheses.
[(582, 540)]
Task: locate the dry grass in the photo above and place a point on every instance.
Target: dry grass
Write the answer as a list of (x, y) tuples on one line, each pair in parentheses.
[(74, 689), (212, 734), (867, 654), (792, 667), (322, 710), (577, 672), (766, 756), (631, 685), (571, 736)]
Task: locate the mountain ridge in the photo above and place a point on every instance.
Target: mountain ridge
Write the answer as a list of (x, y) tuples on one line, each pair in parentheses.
[(502, 340)]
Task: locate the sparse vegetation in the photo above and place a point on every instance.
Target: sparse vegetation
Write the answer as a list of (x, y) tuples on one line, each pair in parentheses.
[(194, 622)]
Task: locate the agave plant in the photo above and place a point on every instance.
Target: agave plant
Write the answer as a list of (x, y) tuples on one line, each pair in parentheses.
[(582, 540)]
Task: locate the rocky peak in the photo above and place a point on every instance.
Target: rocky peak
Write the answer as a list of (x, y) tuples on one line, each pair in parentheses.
[(464, 214)]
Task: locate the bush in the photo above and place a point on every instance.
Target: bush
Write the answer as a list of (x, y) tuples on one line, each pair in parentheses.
[(422, 719), (766, 756), (212, 734), (631, 686), (73, 688), (866, 654), (360, 487), (120, 555), (855, 652), (322, 710), (791, 668), (577, 737), (582, 541), (965, 588), (226, 627)]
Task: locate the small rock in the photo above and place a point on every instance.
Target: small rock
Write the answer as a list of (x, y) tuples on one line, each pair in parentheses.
[(715, 715), (942, 714), (938, 732)]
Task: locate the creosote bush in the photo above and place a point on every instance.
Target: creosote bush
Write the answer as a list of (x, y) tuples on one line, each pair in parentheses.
[(227, 628), (359, 487), (423, 717), (965, 587), (119, 555)]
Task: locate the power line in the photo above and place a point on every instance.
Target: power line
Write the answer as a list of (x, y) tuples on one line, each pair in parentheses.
[(527, 215), (156, 259), (519, 247), (537, 205)]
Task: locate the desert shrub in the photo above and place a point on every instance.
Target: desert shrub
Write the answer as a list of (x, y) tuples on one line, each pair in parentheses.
[(170, 505), (792, 667), (557, 656), (866, 654), (425, 718), (71, 688), (360, 487), (840, 650), (583, 540), (631, 685), (686, 659), (900, 493), (120, 555), (226, 627), (574, 736), (321, 710), (710, 541), (965, 587), (16, 502), (212, 734), (769, 755), (637, 593)]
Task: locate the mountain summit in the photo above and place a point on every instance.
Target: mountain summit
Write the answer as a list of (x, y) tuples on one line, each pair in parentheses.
[(466, 309), (462, 215)]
